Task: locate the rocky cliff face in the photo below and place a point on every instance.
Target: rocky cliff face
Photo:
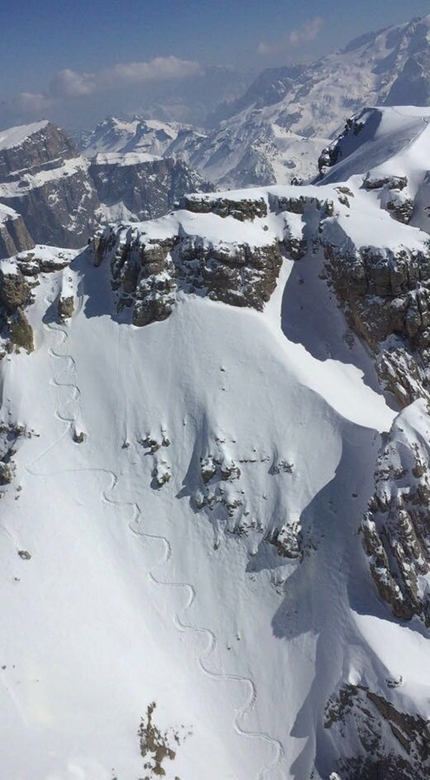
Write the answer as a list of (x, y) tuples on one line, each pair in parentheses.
[(151, 264), (142, 188), (14, 236), (385, 294), (33, 148), (43, 177), (18, 279), (396, 529), (62, 197), (374, 720)]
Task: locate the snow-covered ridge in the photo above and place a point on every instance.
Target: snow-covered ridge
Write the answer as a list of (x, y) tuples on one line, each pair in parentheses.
[(14, 136), (127, 159), (138, 136)]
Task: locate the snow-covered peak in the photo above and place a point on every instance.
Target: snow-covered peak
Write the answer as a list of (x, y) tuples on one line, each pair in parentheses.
[(382, 152), (137, 135)]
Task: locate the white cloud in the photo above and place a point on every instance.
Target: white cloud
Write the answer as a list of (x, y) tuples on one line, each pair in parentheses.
[(29, 103), (69, 83), (303, 35), (269, 48), (307, 33), (159, 69)]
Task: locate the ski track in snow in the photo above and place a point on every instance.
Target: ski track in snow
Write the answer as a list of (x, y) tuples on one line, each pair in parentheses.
[(249, 704), (210, 649)]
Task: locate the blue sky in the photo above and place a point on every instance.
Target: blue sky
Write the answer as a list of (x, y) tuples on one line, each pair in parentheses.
[(47, 37)]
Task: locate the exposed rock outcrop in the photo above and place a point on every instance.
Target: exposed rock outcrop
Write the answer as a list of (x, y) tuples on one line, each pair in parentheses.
[(385, 295), (66, 307), (10, 435), (241, 209), (396, 528), (14, 236), (148, 270), (18, 278), (44, 178), (374, 721), (15, 295)]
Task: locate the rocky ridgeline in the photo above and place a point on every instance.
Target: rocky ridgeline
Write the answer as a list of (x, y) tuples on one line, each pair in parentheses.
[(44, 178), (370, 721), (151, 263), (243, 210), (396, 528), (148, 270), (41, 150), (383, 292)]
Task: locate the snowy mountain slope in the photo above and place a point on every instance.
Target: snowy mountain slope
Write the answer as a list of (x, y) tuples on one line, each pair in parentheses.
[(381, 159), (221, 513), (382, 151), (94, 556), (315, 100), (249, 152)]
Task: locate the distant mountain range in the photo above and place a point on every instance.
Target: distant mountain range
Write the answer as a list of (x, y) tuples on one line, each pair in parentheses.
[(133, 169), (275, 131)]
